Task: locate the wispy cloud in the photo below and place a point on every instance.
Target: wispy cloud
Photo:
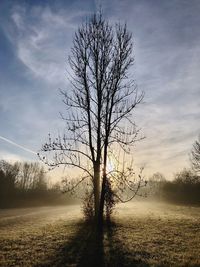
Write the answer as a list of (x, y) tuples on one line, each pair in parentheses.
[(43, 46), (166, 38)]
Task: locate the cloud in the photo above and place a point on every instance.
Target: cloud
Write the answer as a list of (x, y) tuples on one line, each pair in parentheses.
[(42, 39), (166, 38), (11, 157)]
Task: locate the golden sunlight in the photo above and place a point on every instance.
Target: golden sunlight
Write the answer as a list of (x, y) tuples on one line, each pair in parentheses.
[(110, 166)]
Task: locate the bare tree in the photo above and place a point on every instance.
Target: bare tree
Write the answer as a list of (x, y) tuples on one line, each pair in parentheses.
[(99, 112), (31, 176), (8, 180), (195, 156)]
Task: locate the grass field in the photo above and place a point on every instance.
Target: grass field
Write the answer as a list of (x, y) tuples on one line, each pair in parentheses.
[(143, 234)]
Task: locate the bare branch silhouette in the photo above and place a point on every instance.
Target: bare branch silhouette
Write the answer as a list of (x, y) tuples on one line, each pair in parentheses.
[(99, 107)]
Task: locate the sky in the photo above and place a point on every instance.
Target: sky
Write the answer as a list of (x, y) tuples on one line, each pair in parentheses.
[(35, 41)]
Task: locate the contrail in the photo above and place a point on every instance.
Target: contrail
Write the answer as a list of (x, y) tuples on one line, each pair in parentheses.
[(15, 144)]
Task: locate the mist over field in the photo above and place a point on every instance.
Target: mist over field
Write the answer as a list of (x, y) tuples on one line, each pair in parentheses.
[(145, 234)]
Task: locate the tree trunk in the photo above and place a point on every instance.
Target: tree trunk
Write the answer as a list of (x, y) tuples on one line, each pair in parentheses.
[(96, 189), (102, 201), (103, 187)]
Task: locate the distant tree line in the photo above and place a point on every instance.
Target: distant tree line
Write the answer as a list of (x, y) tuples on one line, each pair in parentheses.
[(184, 188), (26, 184), (195, 156)]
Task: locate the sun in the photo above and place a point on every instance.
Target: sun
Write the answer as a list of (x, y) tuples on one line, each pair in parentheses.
[(110, 166), (111, 163)]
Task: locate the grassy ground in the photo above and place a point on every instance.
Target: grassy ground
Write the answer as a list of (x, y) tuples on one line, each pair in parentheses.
[(142, 235)]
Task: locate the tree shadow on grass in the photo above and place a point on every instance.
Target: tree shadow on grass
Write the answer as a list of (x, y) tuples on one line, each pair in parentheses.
[(96, 249)]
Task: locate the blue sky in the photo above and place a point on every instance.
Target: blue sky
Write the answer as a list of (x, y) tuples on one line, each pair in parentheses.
[(35, 41)]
